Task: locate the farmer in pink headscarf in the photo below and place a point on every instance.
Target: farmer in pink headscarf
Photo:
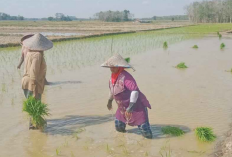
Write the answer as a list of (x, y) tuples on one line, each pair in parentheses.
[(132, 103)]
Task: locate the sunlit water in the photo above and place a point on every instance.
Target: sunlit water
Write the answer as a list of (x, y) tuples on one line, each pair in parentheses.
[(77, 97)]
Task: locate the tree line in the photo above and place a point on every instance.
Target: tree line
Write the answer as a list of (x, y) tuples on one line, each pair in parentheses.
[(114, 16), (4, 16), (214, 11)]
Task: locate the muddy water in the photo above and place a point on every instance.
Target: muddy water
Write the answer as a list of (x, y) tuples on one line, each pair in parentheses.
[(81, 125)]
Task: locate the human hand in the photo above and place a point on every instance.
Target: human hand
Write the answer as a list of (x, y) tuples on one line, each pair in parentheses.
[(109, 105), (128, 115)]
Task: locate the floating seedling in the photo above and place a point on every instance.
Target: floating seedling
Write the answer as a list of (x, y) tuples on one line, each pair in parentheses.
[(181, 66), (173, 131), (37, 111), (205, 134), (165, 45), (127, 60), (195, 47), (222, 46)]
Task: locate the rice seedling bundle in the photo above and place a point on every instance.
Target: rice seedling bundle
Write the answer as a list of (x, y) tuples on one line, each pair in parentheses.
[(222, 46), (195, 47), (165, 45), (181, 65), (37, 111), (173, 131), (205, 134), (127, 60)]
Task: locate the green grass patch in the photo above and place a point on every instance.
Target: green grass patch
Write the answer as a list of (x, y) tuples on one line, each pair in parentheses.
[(222, 46), (165, 45), (127, 60), (181, 66), (37, 111), (205, 134), (173, 131), (195, 47)]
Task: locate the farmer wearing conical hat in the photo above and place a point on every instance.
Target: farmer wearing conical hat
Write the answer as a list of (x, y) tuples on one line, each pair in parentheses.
[(33, 80), (132, 103)]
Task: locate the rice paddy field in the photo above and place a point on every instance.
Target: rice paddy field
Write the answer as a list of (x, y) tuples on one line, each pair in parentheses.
[(80, 123), (12, 31)]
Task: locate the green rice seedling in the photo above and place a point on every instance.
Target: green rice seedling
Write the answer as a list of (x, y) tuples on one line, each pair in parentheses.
[(165, 45), (58, 151), (12, 101), (127, 60), (65, 144), (108, 150), (222, 46), (3, 87), (165, 151), (229, 70), (125, 151), (195, 47), (220, 36), (146, 154), (75, 136), (181, 66), (37, 111), (218, 33), (197, 152), (72, 154), (80, 130), (173, 131), (205, 134)]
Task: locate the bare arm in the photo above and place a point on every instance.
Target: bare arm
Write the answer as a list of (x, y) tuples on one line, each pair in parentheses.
[(21, 61)]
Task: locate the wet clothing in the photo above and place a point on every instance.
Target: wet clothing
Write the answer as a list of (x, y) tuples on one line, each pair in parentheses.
[(34, 72), (121, 92), (144, 128)]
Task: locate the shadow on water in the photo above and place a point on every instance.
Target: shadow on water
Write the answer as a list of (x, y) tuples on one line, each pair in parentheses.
[(156, 130), (63, 82), (69, 124)]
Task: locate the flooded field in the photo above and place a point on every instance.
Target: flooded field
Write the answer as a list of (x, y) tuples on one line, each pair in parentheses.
[(81, 125)]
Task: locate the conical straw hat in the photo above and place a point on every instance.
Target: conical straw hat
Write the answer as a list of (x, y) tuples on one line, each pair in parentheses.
[(38, 42), (25, 37), (116, 61)]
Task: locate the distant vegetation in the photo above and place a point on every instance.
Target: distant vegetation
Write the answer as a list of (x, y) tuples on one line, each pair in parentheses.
[(61, 17), (114, 16), (214, 11), (4, 16), (171, 18)]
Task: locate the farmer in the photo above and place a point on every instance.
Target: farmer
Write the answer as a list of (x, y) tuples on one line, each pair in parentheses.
[(24, 52), (35, 66), (132, 103)]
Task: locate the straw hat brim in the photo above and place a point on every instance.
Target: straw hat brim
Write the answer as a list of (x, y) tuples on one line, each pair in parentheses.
[(25, 37), (38, 42)]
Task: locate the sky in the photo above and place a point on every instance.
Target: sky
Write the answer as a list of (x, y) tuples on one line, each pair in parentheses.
[(87, 8)]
